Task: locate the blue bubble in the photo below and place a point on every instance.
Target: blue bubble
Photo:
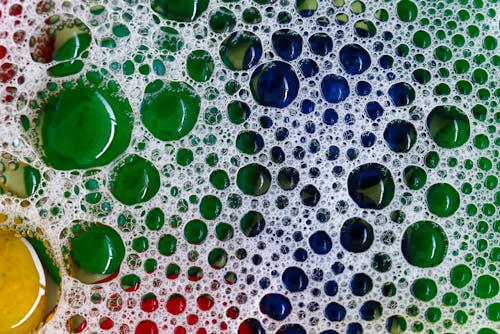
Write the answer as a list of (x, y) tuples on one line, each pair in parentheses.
[(354, 59), (300, 255), (334, 312), (332, 153), (360, 284), (330, 116), (338, 268), (310, 195), (356, 235), (371, 186), (307, 106), (331, 288), (294, 279), (334, 88), (370, 310), (274, 84), (320, 44), (368, 139), (287, 44), (291, 329), (275, 306), (266, 122), (277, 154), (386, 62), (400, 136), (401, 94), (374, 110), (329, 331), (354, 328), (308, 67), (363, 88), (320, 242)]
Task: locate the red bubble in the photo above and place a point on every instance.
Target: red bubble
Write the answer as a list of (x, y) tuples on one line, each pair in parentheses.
[(7, 72), (192, 319), (3, 51), (180, 330), (146, 327), (201, 331), (106, 323), (176, 304), (15, 10), (205, 302), (233, 312), (149, 303)]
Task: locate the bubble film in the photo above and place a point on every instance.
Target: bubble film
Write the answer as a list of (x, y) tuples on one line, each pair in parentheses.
[(249, 166)]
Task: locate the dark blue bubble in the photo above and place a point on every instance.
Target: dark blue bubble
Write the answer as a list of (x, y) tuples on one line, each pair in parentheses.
[(314, 146), (308, 67), (334, 88), (363, 88), (374, 110), (370, 310), (233, 45), (252, 223), (274, 84), (386, 61), (329, 331), (320, 44), (294, 279), (360, 284), (337, 268), (265, 122), (331, 288), (354, 328), (320, 242), (330, 116), (300, 255), (251, 326), (310, 195), (299, 152), (371, 186), (275, 306), (354, 59), (310, 127), (332, 153), (352, 154), (288, 178), (307, 106), (281, 133), (291, 329), (256, 259), (277, 154), (287, 44), (356, 235), (400, 136), (334, 312), (401, 94), (368, 139), (264, 283)]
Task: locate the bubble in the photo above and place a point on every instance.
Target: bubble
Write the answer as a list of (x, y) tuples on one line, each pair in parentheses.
[(371, 186), (448, 126), (253, 179), (424, 244), (356, 235), (295, 279), (320, 44), (334, 88), (222, 20), (175, 122), (401, 94), (424, 289), (249, 142), (195, 232), (241, 50), (252, 223), (274, 84), (200, 65), (486, 287), (287, 43), (400, 136), (354, 59), (182, 12), (407, 10), (442, 199), (276, 306), (415, 177), (320, 242), (334, 312), (360, 284), (134, 180)]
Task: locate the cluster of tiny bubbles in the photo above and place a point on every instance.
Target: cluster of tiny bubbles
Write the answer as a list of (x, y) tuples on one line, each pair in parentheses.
[(253, 166)]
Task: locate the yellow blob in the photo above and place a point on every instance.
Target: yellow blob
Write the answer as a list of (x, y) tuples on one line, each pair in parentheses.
[(23, 297)]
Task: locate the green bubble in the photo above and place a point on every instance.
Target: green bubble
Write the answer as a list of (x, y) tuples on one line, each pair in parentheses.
[(414, 177), (210, 207), (134, 180), (249, 142), (181, 11), (486, 287), (382, 15), (481, 141), (155, 219), (460, 317), (493, 312), (252, 223), (450, 299), (200, 65), (460, 275), (251, 15), (104, 124), (365, 28), (421, 76), (224, 231), (169, 39), (422, 39), (433, 314), (443, 53), (195, 232), (424, 289), (448, 126), (480, 76), (184, 156), (97, 249), (238, 112), (178, 120), (217, 258), (167, 245), (253, 179), (407, 10), (140, 244), (424, 244), (222, 20), (219, 179), (442, 199)]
